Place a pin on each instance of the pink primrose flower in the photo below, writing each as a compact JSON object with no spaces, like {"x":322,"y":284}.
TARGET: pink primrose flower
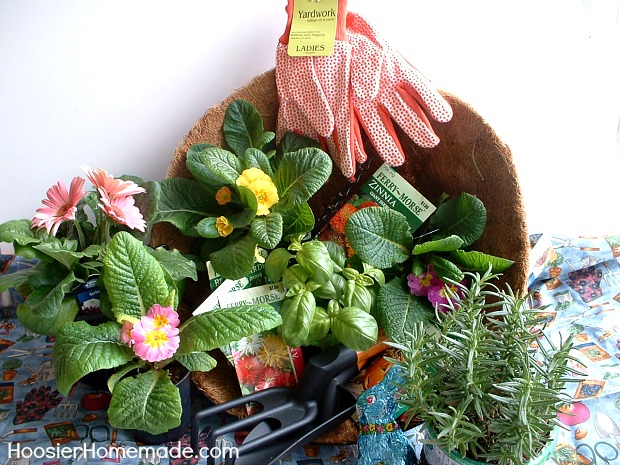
{"x":438,"y":296}
{"x":163,"y":316}
{"x":114,"y":187}
{"x":421,"y":284}
{"x":126,"y":333}
{"x":60,"y":205}
{"x":122,"y":210}
{"x":152,"y":343}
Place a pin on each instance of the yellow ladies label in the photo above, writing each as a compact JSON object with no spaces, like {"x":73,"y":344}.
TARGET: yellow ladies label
{"x":313,"y":28}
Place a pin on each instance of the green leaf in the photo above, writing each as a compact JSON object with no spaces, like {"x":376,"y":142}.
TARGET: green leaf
{"x":357,"y":296}
{"x":48,"y":323}
{"x":398,"y":311}
{"x":18,"y":231}
{"x":243,"y":127}
{"x":178,"y":266}
{"x":355,"y":328}
{"x":195,"y":164}
{"x":315,"y":259}
{"x":81,"y":349}
{"x":464,"y":216}
{"x":220,"y":327}
{"x":276,"y":263}
{"x":207,"y":228}
{"x":336,"y":253}
{"x":267,"y":230}
{"x":478,"y":261}
{"x":319,"y":327}
{"x":297,"y":220}
{"x":236,"y":260}
{"x":48,"y":294}
{"x":254,"y":158}
{"x":15,"y":280}
{"x":445,"y":269}
{"x":297,"y":318}
{"x":64,"y":252}
{"x":326,"y":291}
{"x":196,"y":361}
{"x":149,"y":402}
{"x":248,"y":200}
{"x":447,"y":244}
{"x":379,"y":236}
{"x":121,"y":372}
{"x":133,"y":278}
{"x":300,"y":175}
{"x":184,"y":202}
{"x":148,"y":201}
{"x":223,"y":164}
{"x":292,"y":142}
{"x":295,"y":276}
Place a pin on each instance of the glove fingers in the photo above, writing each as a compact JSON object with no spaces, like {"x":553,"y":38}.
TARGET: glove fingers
{"x":342,"y":145}
{"x":420,"y":88}
{"x":297,"y":82}
{"x":380,"y":129}
{"x":358,"y":145}
{"x":292,"y":119}
{"x":404,"y":109}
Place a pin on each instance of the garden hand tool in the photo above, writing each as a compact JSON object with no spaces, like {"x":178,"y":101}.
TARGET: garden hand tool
{"x":67,"y":409}
{"x":607,"y":428}
{"x":386,"y":87}
{"x":313,"y":92}
{"x":4,"y":437}
{"x":290,"y":416}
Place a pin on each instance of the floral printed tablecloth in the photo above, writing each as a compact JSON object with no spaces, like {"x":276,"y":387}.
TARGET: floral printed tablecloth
{"x":576,"y":284}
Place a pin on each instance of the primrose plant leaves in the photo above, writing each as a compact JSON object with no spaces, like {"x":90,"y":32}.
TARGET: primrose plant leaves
{"x":380,"y":236}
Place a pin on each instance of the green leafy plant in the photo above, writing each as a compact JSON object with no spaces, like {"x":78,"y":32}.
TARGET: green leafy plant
{"x":485,"y":380}
{"x":145,"y":337}
{"x":67,"y":239}
{"x":440,"y":254}
{"x":254,"y":194}
{"x":12,"y":364}
{"x":328,"y":298}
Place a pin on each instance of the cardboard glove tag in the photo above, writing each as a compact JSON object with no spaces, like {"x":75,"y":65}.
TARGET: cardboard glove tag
{"x":313,"y":28}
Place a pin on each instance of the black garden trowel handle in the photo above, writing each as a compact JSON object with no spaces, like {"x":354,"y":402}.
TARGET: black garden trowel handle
{"x":322,"y":369}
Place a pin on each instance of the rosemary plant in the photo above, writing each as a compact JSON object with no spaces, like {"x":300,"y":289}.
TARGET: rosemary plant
{"x":485,"y":381}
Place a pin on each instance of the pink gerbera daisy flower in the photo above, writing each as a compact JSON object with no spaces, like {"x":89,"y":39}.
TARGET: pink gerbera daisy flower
{"x":114,"y":187}
{"x":60,"y":205}
{"x":122,"y":210}
{"x":152,"y":343}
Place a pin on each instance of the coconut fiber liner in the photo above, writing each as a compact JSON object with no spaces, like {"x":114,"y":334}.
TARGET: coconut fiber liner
{"x":470,"y":158}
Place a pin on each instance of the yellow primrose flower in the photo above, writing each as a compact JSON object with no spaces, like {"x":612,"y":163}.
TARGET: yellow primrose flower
{"x":262,"y":187}
{"x":223,"y":195}
{"x":223,"y":226}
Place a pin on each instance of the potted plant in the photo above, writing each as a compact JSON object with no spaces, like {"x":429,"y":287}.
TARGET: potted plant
{"x":67,"y":239}
{"x":250,"y":194}
{"x":10,"y":369}
{"x":485,"y":380}
{"x":147,"y":339}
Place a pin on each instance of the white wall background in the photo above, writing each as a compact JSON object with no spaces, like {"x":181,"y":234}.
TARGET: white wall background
{"x":118,"y":84}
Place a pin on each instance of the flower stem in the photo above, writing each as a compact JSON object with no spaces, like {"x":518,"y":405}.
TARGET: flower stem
{"x":80,"y":234}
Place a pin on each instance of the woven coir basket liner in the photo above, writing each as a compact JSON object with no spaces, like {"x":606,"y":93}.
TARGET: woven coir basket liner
{"x":470,"y":158}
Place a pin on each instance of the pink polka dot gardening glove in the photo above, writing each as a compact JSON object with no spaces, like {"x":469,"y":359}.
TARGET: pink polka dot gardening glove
{"x":314,"y":94}
{"x":385,"y":88}
{"x":363,"y":85}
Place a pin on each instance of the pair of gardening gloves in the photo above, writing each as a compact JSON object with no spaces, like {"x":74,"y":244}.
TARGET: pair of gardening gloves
{"x":363,"y":85}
